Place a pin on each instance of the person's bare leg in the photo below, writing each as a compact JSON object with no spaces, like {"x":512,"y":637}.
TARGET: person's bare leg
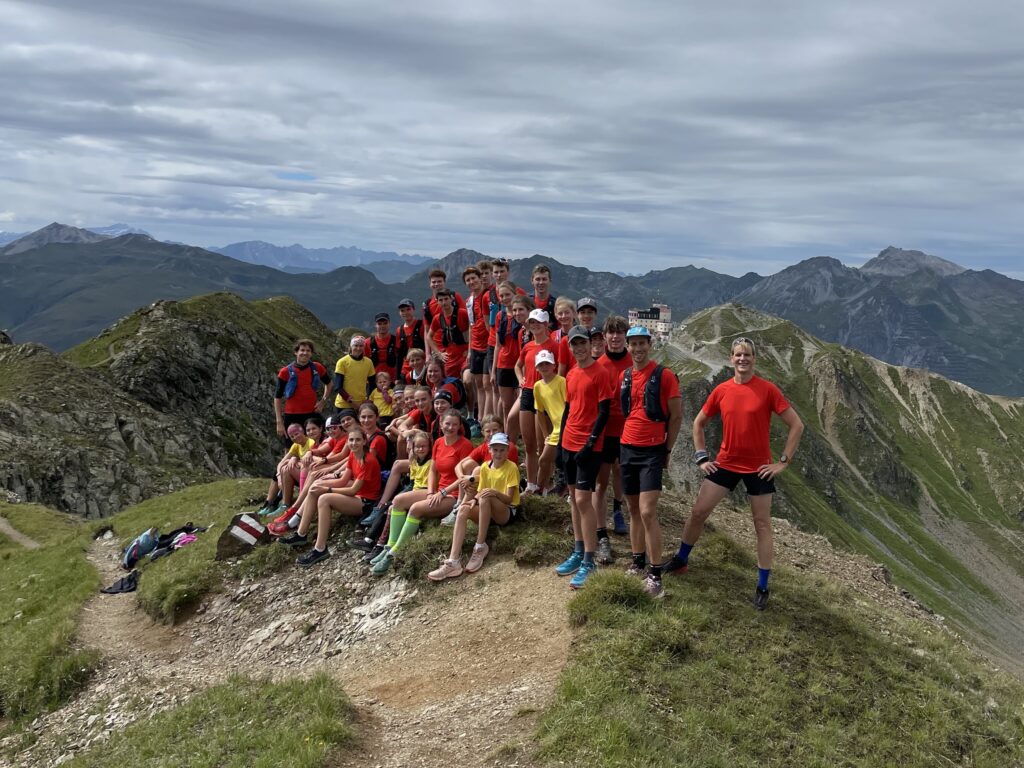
{"x":546,"y":466}
{"x":707,"y":499}
{"x":528,"y":429}
{"x":459,"y":532}
{"x":761,"y":508}
{"x":588,"y":519}
{"x":651,"y":528}
{"x":637,"y":539}
{"x":512,"y":422}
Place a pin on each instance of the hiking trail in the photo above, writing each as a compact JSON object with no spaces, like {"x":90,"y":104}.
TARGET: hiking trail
{"x":17,"y":536}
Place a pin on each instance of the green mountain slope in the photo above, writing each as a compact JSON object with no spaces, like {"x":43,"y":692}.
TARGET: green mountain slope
{"x":917,"y":471}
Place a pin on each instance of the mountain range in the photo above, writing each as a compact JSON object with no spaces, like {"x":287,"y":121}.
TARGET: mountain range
{"x":388,"y":267}
{"x":60,"y":285}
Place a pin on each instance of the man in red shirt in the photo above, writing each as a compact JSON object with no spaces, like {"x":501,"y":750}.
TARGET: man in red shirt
{"x":438,"y":282}
{"x":296,"y":397}
{"x":542,"y":296}
{"x":616,"y":359}
{"x":383,"y":346}
{"x":653,"y":412}
{"x":476,"y":378}
{"x":411,"y":333}
{"x":449,"y":333}
{"x":589,"y":392}
{"x":746,"y":403}
{"x":586,"y":313}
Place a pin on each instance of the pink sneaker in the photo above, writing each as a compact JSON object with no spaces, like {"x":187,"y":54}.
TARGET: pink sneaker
{"x":476,"y":560}
{"x":449,"y":569}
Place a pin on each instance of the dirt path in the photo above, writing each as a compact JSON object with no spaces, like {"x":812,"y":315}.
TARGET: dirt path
{"x":17,"y":536}
{"x":455,"y":679}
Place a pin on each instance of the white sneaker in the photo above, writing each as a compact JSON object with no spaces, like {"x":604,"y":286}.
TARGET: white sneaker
{"x":449,"y":519}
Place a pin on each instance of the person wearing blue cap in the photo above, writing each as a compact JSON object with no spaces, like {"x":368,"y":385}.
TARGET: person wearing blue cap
{"x":653,"y":412}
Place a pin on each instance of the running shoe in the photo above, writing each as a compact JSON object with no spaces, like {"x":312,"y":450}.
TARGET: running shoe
{"x":449,"y":569}
{"x":761,"y":599}
{"x":361,"y":543}
{"x":375,"y":514}
{"x":370,"y":556}
{"x":619,"y":523}
{"x":313,"y":557}
{"x":636,"y":570}
{"x":675,"y":565}
{"x":580,"y":578}
{"x":604,"y":552}
{"x":295,"y":540}
{"x":476,"y":560}
{"x":449,"y":519}
{"x":653,"y":587}
{"x":385,"y":552}
{"x":570,"y":565}
{"x":383,"y":564}
{"x":279,"y":529}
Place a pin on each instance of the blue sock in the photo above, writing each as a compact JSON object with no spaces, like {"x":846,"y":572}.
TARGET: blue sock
{"x":684,"y":551}
{"x":762,"y":577}
{"x":588,"y":558}
{"x":578,"y":547}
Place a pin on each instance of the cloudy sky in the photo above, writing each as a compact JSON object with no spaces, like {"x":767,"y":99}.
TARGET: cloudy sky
{"x":626,"y":136}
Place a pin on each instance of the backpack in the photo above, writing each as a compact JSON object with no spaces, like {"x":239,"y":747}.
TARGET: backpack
{"x":390,"y":452}
{"x":457,"y":390}
{"x":142,"y":545}
{"x":652,"y":394}
{"x":417,"y":338}
{"x":293,"y":380}
{"x":390,"y":354}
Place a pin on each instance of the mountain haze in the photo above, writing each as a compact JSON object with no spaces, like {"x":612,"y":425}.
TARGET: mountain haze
{"x":297,"y":258}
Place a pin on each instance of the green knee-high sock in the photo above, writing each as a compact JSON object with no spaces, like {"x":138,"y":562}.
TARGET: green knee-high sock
{"x":412,"y":525}
{"x":397,"y":523}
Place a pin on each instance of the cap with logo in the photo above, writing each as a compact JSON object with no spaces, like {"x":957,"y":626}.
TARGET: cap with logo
{"x":540,"y":315}
{"x":406,"y":303}
{"x":544,"y":356}
{"x":443,"y":395}
{"x":586,"y":302}
{"x":638,"y":331}
{"x":498,"y":438}
{"x":382,"y":316}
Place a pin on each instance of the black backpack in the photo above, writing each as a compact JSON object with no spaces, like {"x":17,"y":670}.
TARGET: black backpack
{"x":652,"y":394}
{"x":390,"y":354}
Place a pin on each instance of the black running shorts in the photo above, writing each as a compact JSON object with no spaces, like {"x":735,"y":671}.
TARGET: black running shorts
{"x":641,"y":468}
{"x":581,"y":473}
{"x":756,"y":486}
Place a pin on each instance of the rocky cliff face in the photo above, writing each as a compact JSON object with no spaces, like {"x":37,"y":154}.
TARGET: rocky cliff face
{"x":175,"y":393}
{"x":70,"y":440}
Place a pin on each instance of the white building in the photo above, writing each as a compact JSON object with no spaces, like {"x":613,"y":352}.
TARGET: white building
{"x":657,"y":319}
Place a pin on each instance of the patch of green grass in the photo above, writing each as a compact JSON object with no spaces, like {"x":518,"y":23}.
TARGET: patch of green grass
{"x":174,"y":584}
{"x":41,"y":524}
{"x":701,"y":679}
{"x":241,"y":724}
{"x":41,"y":593}
{"x":264,"y":561}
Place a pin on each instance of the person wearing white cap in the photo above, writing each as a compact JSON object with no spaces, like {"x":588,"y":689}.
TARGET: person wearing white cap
{"x":496,"y":500}
{"x":523,"y":419}
{"x":549,"y":402}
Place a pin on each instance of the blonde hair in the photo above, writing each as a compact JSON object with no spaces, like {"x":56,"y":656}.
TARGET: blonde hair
{"x":743,"y":341}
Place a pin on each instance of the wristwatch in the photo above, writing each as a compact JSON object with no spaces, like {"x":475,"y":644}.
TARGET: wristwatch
{"x":783,"y":459}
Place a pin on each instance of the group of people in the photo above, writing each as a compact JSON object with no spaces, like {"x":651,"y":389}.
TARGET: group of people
{"x":590,"y":408}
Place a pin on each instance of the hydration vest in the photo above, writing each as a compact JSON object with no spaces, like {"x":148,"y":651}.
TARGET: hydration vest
{"x":417,"y":338}
{"x":652,"y":394}
{"x":450,"y":332}
{"x":293,"y":380}
{"x":390,"y":354}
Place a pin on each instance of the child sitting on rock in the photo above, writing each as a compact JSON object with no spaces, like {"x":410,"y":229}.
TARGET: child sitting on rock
{"x":496,"y":500}
{"x":288,"y":471}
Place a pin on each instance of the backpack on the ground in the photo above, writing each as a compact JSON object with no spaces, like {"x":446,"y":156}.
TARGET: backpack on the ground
{"x":141,"y":546}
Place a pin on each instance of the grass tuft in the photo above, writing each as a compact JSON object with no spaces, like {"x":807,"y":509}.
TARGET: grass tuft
{"x":609,"y":600}
{"x":242,"y":723}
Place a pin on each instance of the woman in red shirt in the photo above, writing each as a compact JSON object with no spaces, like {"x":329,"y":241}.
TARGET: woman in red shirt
{"x":746,"y":403}
{"x":507,"y":345}
{"x":356,"y":497}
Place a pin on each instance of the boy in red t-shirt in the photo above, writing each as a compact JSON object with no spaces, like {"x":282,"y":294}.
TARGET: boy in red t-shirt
{"x":589,"y":389}
{"x":296,"y":400}
{"x":648,"y":434}
{"x":475,"y":377}
{"x":449,"y":333}
{"x":746,"y":403}
{"x":616,"y":359}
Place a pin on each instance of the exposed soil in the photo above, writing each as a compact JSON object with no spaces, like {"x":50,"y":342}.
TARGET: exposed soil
{"x":17,"y":536}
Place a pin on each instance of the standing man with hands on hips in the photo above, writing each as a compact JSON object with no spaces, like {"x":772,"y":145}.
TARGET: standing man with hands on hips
{"x":746,"y":403}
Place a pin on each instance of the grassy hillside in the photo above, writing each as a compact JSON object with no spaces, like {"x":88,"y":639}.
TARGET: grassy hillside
{"x":918,"y":472}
